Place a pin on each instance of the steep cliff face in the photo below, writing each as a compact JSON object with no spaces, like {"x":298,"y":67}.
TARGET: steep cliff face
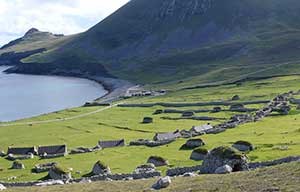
{"x":163,"y":40}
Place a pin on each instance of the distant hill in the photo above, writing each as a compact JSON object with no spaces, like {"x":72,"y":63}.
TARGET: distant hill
{"x":197,"y":41}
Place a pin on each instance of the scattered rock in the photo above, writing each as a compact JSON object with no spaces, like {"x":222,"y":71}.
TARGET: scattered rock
{"x":225,"y":169}
{"x":49,"y":183}
{"x":193,"y":143}
{"x":147,"y":120}
{"x":199,"y":154}
{"x":59,"y":173}
{"x":163,"y":182}
{"x":146,"y":168}
{"x":2,"y":154}
{"x":101,"y":169}
{"x":221,"y":156}
{"x":18,"y":165}
{"x":235,"y":98}
{"x":157,"y":161}
{"x":243,"y":146}
{"x":2,"y":187}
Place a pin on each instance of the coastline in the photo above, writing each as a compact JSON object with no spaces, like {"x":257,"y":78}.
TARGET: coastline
{"x":114,"y":87}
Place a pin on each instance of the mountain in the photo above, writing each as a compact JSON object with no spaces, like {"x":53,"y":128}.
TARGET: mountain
{"x":198,"y":41}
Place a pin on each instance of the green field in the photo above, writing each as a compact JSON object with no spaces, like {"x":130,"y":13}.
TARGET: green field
{"x":275,"y":136}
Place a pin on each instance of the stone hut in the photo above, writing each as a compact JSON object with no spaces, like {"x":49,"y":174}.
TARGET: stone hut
{"x":17,"y":165}
{"x":147,"y":120}
{"x":111,"y":144}
{"x":157,"y":161}
{"x":167,"y":136}
{"x":52,"y":151}
{"x":199,"y":154}
{"x":101,"y":169}
{"x":188,"y":114}
{"x":243,"y":146}
{"x":216,"y":110}
{"x":192,"y":144}
{"x":21,"y":150}
{"x":235,"y":98}
{"x":59,"y":173}
{"x":222,"y":156}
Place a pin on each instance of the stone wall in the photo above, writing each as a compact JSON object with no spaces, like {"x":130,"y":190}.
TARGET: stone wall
{"x":182,"y":170}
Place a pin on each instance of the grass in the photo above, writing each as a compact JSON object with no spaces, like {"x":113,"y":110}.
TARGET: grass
{"x":273,"y":137}
{"x":280,"y":178}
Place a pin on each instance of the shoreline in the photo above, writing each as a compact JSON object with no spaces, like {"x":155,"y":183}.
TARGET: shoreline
{"x":114,"y":87}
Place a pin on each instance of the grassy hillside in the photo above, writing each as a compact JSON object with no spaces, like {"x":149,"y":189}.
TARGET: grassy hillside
{"x":279,"y":178}
{"x":164,"y":40}
{"x":274,"y":137}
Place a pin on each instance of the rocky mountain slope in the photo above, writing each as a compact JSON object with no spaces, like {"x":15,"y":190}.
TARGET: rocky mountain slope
{"x":165,"y":40}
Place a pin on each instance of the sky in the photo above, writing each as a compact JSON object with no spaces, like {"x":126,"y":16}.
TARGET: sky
{"x":56,"y":16}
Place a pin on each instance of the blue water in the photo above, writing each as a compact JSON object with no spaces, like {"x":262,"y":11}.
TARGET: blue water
{"x":23,"y":96}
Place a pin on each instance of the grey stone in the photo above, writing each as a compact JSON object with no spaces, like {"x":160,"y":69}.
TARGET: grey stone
{"x":49,"y":183}
{"x":225,"y":169}
{"x":243,"y":146}
{"x":193,"y":143}
{"x":163,"y":182}
{"x":146,"y":168}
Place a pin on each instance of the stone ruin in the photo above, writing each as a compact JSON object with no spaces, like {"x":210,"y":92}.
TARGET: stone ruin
{"x":40,"y":168}
{"x":157,"y":161}
{"x":150,"y":143}
{"x":17,"y":165}
{"x":147,"y":120}
{"x":101,"y":169}
{"x":192,"y":144}
{"x":199,"y":154}
{"x":57,"y":172}
{"x":146,"y":168}
{"x":224,"y":156}
{"x":243,"y":146}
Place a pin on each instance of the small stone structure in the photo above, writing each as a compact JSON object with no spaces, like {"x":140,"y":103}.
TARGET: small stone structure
{"x":40,"y":168}
{"x":243,"y":146}
{"x":221,"y":156}
{"x":17,"y":165}
{"x":157,"y":161}
{"x":80,"y":150}
{"x":52,"y":151}
{"x":59,"y":173}
{"x":2,"y":153}
{"x":201,"y":129}
{"x":111,"y":144}
{"x":21,"y":150}
{"x":188,"y":114}
{"x":163,"y":182}
{"x":147,"y":120}
{"x":101,"y":169}
{"x":199,"y":154}
{"x":192,"y":144}
{"x":235,"y":98}
{"x":167,"y":136}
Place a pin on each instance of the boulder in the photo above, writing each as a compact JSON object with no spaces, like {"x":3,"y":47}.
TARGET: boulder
{"x":199,"y":154}
{"x":147,"y":120}
{"x":163,"y":182}
{"x":193,"y":143}
{"x":18,"y":165}
{"x":146,"y":168}
{"x":225,"y":169}
{"x":101,"y":169}
{"x":2,"y":187}
{"x":235,"y":98}
{"x":59,"y":173}
{"x":157,"y":161}
{"x":221,"y":156}
{"x":243,"y":146}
